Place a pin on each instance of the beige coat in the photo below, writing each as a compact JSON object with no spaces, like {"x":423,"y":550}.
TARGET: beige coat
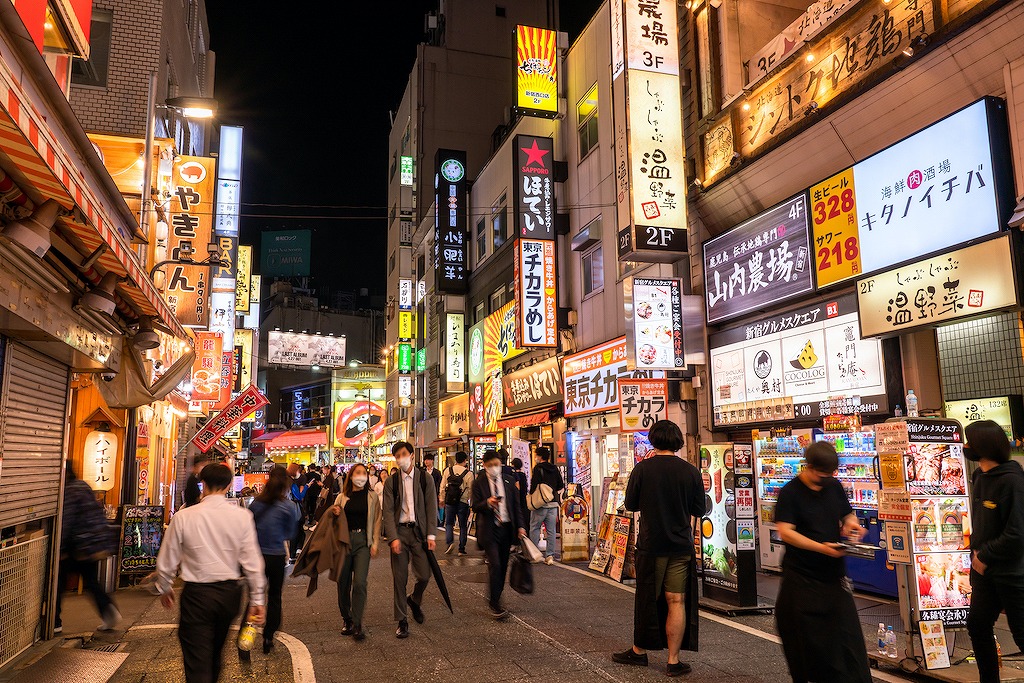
{"x":373,"y":517}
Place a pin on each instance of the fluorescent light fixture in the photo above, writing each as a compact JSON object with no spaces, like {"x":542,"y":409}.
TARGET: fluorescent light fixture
{"x":33,"y":232}
{"x":194,"y":107}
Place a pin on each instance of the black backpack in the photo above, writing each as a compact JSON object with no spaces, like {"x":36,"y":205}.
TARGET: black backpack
{"x":453,"y":490}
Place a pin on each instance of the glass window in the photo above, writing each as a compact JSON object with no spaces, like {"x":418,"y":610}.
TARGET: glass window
{"x":497,"y":298}
{"x":94,"y":70}
{"x":593,"y":270}
{"x":480,"y":313}
{"x":586,"y":117}
{"x":499,"y":227}
{"x":481,"y":239}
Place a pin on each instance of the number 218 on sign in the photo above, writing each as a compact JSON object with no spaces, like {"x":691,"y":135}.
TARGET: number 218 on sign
{"x":836,"y":235}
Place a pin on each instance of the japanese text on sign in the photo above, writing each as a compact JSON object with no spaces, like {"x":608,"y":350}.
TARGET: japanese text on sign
{"x":450,"y":220}
{"x":535,"y":292}
{"x":591,"y":378}
{"x":642,"y":402}
{"x":534,"y":192}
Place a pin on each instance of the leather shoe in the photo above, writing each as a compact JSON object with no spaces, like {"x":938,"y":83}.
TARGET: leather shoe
{"x":358,"y":634}
{"x":349,"y":629}
{"x":417,"y":612}
{"x":678,"y":669}
{"x":403,"y":629}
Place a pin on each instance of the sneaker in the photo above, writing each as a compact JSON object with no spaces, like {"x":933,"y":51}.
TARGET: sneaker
{"x":549,"y":560}
{"x":630,"y":657}
{"x":451,"y":546}
{"x":463,"y":553}
{"x":111,"y":619}
{"x":678,"y":669}
{"x":498,"y":612}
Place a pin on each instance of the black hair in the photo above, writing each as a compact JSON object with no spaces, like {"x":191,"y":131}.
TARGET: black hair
{"x":400,"y":445}
{"x":503,"y":456}
{"x":665,"y":436}
{"x":544,"y":453}
{"x":517,"y":464}
{"x":461,"y":457}
{"x":821,"y":457}
{"x":490,"y":454}
{"x":428,"y":456}
{"x":988,"y":440}
{"x":277,"y":487}
{"x":216,"y":477}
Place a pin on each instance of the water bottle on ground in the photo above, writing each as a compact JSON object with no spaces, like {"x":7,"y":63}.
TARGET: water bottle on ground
{"x":890,"y":643}
{"x":911,"y":404}
{"x":881,"y":639}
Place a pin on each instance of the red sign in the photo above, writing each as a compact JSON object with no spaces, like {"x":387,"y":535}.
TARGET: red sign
{"x":247,"y":402}
{"x":206,"y":369}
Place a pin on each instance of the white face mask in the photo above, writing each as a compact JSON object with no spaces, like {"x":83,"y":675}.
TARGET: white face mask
{"x":405,"y":464}
{"x":494,"y":470}
{"x":359,"y":481}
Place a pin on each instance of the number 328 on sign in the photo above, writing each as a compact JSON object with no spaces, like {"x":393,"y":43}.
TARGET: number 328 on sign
{"x":836,"y":235}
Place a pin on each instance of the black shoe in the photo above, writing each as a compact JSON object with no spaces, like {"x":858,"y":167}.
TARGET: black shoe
{"x":268,"y":646}
{"x":678,"y":669}
{"x":349,"y":629}
{"x":403,"y":629}
{"x":358,"y":634}
{"x":463,"y":553}
{"x":498,"y":612}
{"x":417,"y":612}
{"x":630,"y":657}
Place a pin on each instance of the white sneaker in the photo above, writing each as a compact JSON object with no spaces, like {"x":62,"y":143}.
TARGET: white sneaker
{"x":549,"y":560}
{"x":111,"y":620}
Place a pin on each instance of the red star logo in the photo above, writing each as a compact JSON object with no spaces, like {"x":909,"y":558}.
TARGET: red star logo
{"x":534,"y":155}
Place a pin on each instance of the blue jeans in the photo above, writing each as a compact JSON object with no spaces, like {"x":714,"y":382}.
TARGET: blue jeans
{"x":549,"y":518}
{"x":451,"y":512}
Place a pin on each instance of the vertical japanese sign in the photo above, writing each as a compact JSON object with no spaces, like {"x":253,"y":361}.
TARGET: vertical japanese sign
{"x":537,"y":71}
{"x":405,"y":357}
{"x":654,"y":323}
{"x":649,"y":152}
{"x":227,"y":370}
{"x":244,"y":352}
{"x":405,"y":294}
{"x":406,"y":171}
{"x":187,"y":287}
{"x":836,"y":237}
{"x":535,"y":292}
{"x":243,"y":278}
{"x":406,"y":325}
{"x":642,"y":402}
{"x":206,"y":368}
{"x":455,"y":352}
{"x":534,"y":191}
{"x":450,"y":219}
{"x":229,"y":176}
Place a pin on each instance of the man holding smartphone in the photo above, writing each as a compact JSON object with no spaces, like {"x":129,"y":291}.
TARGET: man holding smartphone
{"x":501,"y":519}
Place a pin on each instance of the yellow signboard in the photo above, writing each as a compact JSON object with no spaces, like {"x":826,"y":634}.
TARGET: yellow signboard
{"x":836,"y":236}
{"x":406,"y":325}
{"x":243,"y":279}
{"x":537,"y":71}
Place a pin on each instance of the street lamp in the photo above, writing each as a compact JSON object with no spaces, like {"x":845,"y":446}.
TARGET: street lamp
{"x":185,"y":251}
{"x":361,"y":396}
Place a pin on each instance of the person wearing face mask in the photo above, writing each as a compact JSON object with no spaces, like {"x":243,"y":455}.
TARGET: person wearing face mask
{"x":410,"y":521}
{"x":501,"y":520}
{"x":362,"y":511}
{"x":997,"y":543}
{"x":815,"y":614}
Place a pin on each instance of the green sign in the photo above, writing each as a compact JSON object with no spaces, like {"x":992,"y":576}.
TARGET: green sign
{"x":421,"y":360}
{"x":405,"y":357}
{"x":407,"y":171}
{"x":285,"y":253}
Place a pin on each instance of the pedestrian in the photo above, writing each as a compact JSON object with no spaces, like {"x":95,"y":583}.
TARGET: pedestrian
{"x":214,"y":544}
{"x":410,"y":511}
{"x":547,"y":516}
{"x":85,"y":540}
{"x":997,"y":543}
{"x":192,"y":492}
{"x":520,"y":478}
{"x":363,"y":515}
{"x":667,"y":492}
{"x":815,"y":614}
{"x":500,"y":521}
{"x":378,"y":487}
{"x":312,"y":497}
{"x":298,"y":495}
{"x":428,"y":466}
{"x":275,"y":516}
{"x":455,"y":488}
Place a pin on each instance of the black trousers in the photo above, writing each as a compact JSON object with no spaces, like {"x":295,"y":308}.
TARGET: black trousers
{"x":989,"y":596}
{"x":497,"y":561}
{"x":207,"y":611}
{"x":273,"y":567}
{"x":89,"y":571}
{"x":300,"y":537}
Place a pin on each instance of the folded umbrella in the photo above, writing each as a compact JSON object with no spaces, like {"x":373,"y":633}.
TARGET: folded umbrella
{"x":435,"y":568}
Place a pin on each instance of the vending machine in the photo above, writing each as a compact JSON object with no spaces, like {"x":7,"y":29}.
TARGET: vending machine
{"x":778,"y":460}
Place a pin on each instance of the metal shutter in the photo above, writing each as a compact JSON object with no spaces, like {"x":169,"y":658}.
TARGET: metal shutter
{"x":33,"y":412}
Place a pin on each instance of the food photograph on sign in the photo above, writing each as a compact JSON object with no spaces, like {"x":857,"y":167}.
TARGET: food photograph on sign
{"x":657,"y":323}
{"x":935,"y":469}
{"x":943,"y":581}
{"x":718,"y":526}
{"x":940,"y":524}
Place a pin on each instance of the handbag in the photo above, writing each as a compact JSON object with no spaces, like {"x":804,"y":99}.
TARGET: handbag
{"x":541,"y":496}
{"x":520,"y":577}
{"x":530,"y":551}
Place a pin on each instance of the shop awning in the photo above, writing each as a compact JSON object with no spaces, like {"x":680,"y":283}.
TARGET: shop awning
{"x":268,"y":436}
{"x":442,"y":443}
{"x":539,"y":417}
{"x":297,"y":438}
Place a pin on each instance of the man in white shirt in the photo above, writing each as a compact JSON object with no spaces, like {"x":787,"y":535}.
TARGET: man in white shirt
{"x":501,"y":521}
{"x":212,"y":543}
{"x":409,"y":504}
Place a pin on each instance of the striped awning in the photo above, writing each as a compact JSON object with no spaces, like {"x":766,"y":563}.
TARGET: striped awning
{"x":31,"y":154}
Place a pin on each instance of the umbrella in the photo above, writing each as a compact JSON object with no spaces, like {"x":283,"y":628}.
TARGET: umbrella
{"x":435,"y":568}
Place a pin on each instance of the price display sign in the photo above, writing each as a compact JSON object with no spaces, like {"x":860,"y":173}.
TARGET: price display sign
{"x":836,"y":235}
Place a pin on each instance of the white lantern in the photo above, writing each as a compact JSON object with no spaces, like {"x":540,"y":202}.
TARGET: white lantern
{"x":100,"y":460}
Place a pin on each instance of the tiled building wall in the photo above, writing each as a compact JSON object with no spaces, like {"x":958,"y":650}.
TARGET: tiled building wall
{"x":982,"y":357}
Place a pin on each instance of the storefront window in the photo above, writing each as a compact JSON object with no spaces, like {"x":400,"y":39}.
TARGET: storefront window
{"x":498,"y":221}
{"x":481,"y":240}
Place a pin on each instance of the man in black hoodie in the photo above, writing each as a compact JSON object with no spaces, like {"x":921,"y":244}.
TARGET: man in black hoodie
{"x":997,"y":543}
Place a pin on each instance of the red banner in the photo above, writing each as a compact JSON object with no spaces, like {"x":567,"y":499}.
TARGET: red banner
{"x":206,"y":369}
{"x":247,"y":402}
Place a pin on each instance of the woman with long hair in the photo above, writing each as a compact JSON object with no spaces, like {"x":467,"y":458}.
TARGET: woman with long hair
{"x":276,"y":517}
{"x":361,"y":507}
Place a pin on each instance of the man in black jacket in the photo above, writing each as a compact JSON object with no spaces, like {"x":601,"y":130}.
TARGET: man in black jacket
{"x":500,"y":520}
{"x":547,"y":515}
{"x":997,"y":543}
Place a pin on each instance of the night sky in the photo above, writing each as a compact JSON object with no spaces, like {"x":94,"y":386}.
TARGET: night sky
{"x":312,"y":82}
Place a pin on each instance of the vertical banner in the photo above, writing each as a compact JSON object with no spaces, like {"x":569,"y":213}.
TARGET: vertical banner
{"x":243,"y":278}
{"x":455,"y":352}
{"x":206,"y":368}
{"x":533,"y":187}
{"x":190,"y":209}
{"x":451,"y":261}
{"x":535,"y":292}
{"x":537,"y":71}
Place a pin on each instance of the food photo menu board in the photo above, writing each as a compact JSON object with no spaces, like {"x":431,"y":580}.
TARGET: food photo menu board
{"x":718,"y":526}
{"x":655,"y":324}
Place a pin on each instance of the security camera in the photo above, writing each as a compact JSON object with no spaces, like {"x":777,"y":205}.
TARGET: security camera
{"x":108,"y":376}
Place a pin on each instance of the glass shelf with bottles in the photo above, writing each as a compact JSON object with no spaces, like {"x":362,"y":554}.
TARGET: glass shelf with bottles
{"x":778,"y":461}
{"x":856,"y":450}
